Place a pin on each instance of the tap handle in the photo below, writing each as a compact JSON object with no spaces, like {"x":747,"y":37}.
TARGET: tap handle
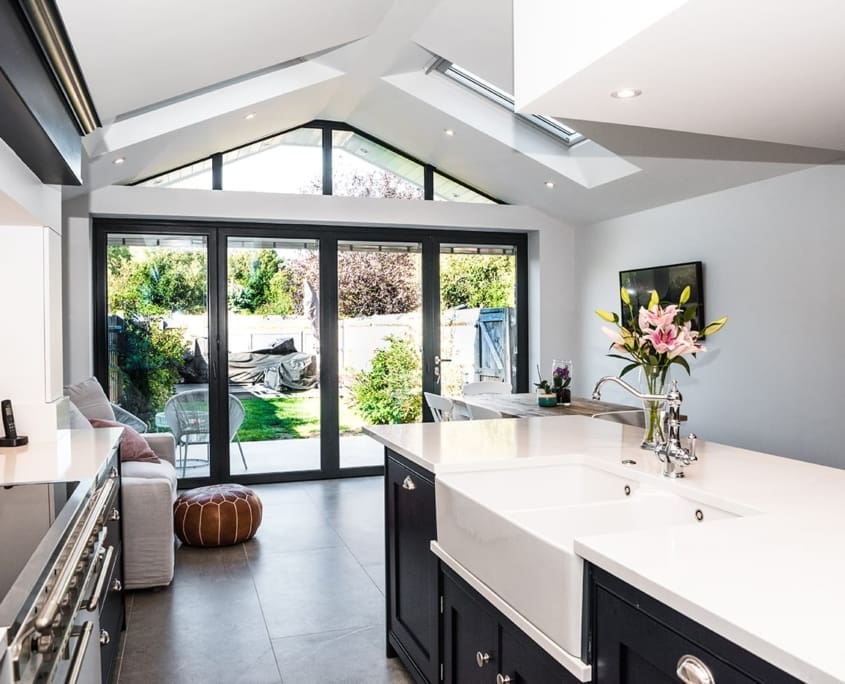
{"x":691,"y":449}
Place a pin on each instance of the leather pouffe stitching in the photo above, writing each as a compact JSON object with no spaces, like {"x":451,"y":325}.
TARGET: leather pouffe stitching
{"x":217,"y":513}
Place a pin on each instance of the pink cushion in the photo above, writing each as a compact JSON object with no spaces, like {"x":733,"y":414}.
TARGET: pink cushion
{"x":133,"y":447}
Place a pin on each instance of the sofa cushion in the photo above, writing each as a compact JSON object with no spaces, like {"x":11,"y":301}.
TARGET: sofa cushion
{"x":151,"y":471}
{"x":133,"y":447}
{"x":89,"y":398}
{"x":77,"y":420}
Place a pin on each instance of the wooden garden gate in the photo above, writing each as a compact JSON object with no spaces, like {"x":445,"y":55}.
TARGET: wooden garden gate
{"x":494,"y":345}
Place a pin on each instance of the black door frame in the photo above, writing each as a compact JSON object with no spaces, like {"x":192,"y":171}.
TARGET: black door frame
{"x":217,"y":234}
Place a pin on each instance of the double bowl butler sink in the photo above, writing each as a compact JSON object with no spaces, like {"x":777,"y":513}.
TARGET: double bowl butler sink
{"x":515,"y":529}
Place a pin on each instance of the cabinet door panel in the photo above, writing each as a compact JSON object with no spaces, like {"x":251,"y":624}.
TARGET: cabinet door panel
{"x":633,"y":648}
{"x":526,"y":663}
{"x":413,"y":602}
{"x":468,"y":630}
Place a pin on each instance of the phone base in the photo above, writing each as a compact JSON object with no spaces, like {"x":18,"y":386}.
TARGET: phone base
{"x":14,"y":441}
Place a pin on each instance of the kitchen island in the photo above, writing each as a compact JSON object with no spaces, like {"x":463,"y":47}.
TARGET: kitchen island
{"x":766,"y":579}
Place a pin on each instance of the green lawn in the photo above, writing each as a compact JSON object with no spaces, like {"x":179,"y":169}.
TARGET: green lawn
{"x":290,"y":417}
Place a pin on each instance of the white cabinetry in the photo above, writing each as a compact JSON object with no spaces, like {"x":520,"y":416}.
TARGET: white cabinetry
{"x":31,"y":323}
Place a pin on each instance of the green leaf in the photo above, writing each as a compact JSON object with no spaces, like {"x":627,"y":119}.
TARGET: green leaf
{"x":681,"y":361}
{"x":618,"y":356}
{"x":629,"y":368}
{"x":689,"y":313}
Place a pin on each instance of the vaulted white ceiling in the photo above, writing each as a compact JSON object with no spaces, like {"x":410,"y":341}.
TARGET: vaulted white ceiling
{"x":173,"y":82}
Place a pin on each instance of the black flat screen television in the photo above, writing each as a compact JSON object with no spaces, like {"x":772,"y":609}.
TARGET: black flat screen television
{"x":669,"y":281}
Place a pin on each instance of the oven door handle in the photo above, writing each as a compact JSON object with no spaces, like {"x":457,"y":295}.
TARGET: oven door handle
{"x":97,"y":594}
{"x":79,"y":653}
{"x":60,"y":588}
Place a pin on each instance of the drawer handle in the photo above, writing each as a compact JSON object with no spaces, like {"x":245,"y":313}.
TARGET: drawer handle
{"x":692,"y":671}
{"x":84,"y":637}
{"x":408,"y":484}
{"x":503,"y":679}
{"x":105,"y":568}
{"x":482,"y":658}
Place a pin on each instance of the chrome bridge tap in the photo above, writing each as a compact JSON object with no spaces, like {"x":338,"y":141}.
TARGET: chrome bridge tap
{"x":671,"y":453}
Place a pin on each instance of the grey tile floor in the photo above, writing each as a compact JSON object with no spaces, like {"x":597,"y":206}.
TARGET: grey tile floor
{"x":302,"y":603}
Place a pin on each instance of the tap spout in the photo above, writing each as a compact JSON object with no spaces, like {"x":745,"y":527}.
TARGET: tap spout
{"x":625,"y":386}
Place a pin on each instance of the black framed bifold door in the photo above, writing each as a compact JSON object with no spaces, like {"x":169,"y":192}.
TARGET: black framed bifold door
{"x":266,"y":350}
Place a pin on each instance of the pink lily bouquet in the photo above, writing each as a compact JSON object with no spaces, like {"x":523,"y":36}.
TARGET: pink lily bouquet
{"x":654,"y":339}
{"x":657,"y":336}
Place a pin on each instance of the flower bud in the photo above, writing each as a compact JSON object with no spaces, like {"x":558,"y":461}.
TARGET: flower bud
{"x":626,"y":298}
{"x":685,"y":295}
{"x":607,"y":315}
{"x":715,"y":326}
{"x":654,"y":301}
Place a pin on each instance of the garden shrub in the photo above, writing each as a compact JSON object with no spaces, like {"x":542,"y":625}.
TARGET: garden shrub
{"x":390,"y":391}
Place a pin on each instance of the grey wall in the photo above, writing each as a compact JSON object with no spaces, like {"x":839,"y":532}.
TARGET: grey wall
{"x":773,"y":262}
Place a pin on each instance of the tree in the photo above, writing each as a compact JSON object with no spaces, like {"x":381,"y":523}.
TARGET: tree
{"x":368,"y":283}
{"x":258,"y":283}
{"x":477,"y":280}
{"x":390,"y":391}
{"x":160,"y":281}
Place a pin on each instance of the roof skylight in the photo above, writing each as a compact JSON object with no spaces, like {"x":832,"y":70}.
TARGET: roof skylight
{"x":568,"y":136}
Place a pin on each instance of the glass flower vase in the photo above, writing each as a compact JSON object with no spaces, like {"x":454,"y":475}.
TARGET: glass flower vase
{"x":653,"y":380}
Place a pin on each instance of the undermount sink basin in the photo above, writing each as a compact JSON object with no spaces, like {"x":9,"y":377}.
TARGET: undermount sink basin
{"x":634,"y":417}
{"x":515,"y":529}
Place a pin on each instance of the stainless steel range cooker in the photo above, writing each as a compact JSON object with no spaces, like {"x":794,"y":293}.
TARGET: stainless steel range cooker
{"x":59,"y":565}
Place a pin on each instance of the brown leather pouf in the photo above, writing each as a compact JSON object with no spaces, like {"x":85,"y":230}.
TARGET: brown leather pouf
{"x":217,"y":515}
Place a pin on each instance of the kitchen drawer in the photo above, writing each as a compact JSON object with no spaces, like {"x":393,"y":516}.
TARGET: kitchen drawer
{"x":638,"y":640}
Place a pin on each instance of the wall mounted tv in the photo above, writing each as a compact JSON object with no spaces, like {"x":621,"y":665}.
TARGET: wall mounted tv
{"x":669,"y":281}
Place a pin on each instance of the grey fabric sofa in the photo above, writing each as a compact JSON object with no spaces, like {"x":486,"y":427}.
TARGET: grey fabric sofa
{"x":149,"y":490}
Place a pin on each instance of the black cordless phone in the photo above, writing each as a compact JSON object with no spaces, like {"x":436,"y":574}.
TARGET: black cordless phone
{"x":11,"y":438}
{"x":8,"y":418}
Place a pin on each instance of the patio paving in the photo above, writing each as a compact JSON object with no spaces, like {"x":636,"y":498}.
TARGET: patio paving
{"x":286,"y":455}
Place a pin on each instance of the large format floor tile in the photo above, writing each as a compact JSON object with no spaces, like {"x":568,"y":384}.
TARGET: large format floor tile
{"x":343,"y":657}
{"x":303,"y":602}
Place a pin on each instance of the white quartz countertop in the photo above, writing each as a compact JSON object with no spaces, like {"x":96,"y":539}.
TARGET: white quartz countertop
{"x":73,"y":455}
{"x":771,"y":581}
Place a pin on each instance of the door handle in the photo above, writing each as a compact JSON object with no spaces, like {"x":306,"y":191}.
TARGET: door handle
{"x":437,"y":362}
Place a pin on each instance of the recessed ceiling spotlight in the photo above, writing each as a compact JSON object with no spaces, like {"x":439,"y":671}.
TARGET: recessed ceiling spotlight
{"x":549,"y":184}
{"x":626,"y":93}
{"x":363,"y":150}
{"x":119,"y":160}
{"x":449,"y":132}
{"x":250,"y":116}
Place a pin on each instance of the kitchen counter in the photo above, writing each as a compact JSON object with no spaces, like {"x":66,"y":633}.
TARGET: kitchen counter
{"x":73,"y":455}
{"x":769,"y":581}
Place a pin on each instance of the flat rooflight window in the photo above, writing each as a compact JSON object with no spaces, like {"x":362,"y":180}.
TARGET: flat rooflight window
{"x":568,"y":136}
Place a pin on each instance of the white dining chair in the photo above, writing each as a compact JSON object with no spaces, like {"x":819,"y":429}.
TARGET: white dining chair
{"x":441,"y":407}
{"x":486,"y":387}
{"x":482,"y":413}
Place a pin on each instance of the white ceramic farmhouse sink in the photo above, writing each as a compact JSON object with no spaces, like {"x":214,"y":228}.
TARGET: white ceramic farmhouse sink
{"x":514,"y":530}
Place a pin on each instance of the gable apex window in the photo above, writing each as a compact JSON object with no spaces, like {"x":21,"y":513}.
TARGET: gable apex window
{"x":458,"y":74}
{"x":321,"y":157}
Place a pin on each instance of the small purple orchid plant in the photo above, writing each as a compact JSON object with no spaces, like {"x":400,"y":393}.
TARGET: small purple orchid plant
{"x":562,"y":374}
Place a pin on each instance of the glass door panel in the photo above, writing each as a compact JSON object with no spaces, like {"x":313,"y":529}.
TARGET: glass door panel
{"x":477,"y":316}
{"x":273,"y":355}
{"x":157,"y":340}
{"x":379,"y":343}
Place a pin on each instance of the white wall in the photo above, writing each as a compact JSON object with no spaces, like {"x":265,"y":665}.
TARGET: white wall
{"x":550,"y":247}
{"x":773,"y":262}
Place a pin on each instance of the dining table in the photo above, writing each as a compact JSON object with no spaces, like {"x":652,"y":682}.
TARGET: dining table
{"x":524,"y":405}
